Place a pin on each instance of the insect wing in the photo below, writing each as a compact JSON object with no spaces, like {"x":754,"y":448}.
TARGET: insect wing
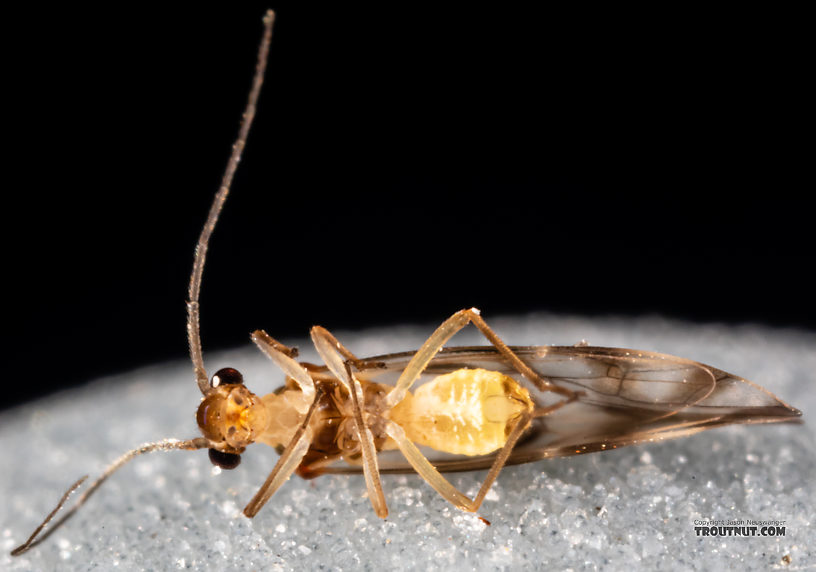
{"x":627,"y":397}
{"x":616,"y":377}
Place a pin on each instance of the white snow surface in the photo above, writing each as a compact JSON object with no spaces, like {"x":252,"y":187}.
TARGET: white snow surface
{"x":629,"y":508}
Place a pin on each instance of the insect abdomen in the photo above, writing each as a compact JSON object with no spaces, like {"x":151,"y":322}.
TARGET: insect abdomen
{"x":465,"y":412}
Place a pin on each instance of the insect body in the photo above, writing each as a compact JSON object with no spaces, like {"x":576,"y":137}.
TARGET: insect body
{"x":469,"y":408}
{"x":473,"y":408}
{"x":465,"y":412}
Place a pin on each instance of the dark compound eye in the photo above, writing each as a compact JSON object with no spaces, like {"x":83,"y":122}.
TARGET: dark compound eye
{"x":225,"y":376}
{"x":226,"y":461}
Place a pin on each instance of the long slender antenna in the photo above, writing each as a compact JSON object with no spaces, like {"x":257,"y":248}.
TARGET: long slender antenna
{"x":166,"y":445}
{"x":193,"y":310}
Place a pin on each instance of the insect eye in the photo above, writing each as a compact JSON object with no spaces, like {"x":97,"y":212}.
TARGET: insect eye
{"x":225,"y":461}
{"x":225,"y":376}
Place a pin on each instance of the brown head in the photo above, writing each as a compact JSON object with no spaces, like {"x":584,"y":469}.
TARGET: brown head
{"x":230,"y":417}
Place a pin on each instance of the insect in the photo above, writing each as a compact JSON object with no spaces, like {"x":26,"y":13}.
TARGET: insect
{"x":437,"y":409}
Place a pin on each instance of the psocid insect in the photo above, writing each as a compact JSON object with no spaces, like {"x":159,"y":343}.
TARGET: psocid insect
{"x":467,"y":407}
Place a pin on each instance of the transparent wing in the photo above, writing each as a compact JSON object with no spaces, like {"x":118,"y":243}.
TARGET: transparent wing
{"x":628,"y":397}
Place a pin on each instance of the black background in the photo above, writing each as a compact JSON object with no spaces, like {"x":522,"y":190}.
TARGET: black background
{"x":406,"y":162}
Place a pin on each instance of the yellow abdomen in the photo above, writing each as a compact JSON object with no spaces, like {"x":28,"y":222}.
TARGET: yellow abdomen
{"x":465,"y":412}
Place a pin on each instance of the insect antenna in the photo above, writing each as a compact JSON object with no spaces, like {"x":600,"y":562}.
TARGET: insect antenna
{"x":193,"y":314}
{"x":193,"y":311}
{"x":31,"y":542}
{"x":165,"y":445}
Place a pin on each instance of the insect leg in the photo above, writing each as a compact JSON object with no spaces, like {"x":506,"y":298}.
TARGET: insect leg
{"x":517,"y":363}
{"x":434,"y":478}
{"x":286,"y":465}
{"x":339,"y":361}
{"x":425,"y":354}
{"x":444,"y":333}
{"x":329,"y":338}
{"x":334,"y":354}
{"x":282,"y":356}
{"x":424,"y":468}
{"x":371,"y":469}
{"x":501,"y":457}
